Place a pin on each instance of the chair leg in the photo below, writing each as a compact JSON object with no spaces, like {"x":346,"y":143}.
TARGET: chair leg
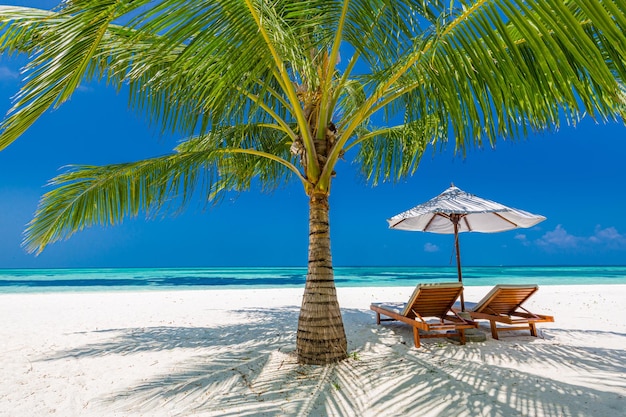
{"x":533,"y":329}
{"x":494,"y":329}
{"x":416,"y":337}
{"x":377,"y":318}
{"x":462,"y":336}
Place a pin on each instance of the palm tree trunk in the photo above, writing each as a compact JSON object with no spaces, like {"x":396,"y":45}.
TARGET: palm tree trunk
{"x":321,"y":338}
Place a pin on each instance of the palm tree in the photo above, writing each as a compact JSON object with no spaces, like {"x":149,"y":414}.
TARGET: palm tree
{"x":276,"y":91}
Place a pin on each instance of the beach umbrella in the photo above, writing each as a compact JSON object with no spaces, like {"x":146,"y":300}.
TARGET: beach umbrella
{"x":455,"y":211}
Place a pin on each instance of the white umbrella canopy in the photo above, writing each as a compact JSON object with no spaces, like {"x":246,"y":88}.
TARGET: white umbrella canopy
{"x":455,"y":211}
{"x":475,"y":215}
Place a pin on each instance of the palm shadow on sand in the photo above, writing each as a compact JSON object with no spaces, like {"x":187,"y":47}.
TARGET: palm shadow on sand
{"x":249,"y":369}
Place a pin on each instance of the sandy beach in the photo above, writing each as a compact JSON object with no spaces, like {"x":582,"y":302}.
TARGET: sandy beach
{"x":230,"y":353}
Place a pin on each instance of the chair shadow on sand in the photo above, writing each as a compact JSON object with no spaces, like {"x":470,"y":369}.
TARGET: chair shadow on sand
{"x":250,"y":369}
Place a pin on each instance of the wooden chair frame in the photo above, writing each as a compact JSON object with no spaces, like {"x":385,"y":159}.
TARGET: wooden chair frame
{"x":436,"y":301}
{"x":503,"y":304}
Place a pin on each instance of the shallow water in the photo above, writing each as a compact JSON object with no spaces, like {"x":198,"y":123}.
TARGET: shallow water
{"x":115,"y":279}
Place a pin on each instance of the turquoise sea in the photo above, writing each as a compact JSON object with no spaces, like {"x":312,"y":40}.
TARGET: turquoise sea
{"x":116,"y":279}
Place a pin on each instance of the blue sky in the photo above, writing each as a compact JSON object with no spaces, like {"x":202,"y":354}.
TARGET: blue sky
{"x":573,"y":177}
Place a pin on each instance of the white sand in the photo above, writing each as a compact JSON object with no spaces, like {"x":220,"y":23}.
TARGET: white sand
{"x":230,"y":353}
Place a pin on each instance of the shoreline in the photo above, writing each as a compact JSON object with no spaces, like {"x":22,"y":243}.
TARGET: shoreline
{"x":246,"y":288}
{"x":230,"y":352}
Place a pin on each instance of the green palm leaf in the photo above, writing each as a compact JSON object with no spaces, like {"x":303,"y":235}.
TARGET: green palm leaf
{"x":86,"y":196}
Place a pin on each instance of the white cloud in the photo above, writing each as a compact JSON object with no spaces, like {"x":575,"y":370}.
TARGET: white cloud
{"x":84,"y":89}
{"x":7,"y":73}
{"x":522,"y":238}
{"x":430,"y":247}
{"x":609,"y":237}
{"x":559,"y":238}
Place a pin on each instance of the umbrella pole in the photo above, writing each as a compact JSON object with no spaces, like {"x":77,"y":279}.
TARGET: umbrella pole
{"x":455,"y":221}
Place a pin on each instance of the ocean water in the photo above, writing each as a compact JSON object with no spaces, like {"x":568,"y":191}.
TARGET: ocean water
{"x":120,"y":279}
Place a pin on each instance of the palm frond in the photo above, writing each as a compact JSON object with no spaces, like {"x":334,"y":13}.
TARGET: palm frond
{"x":390,"y":154}
{"x":86,"y":196}
{"x":90,"y":195}
{"x":262,"y":150}
{"x":62,"y":47}
{"x":502,"y":68}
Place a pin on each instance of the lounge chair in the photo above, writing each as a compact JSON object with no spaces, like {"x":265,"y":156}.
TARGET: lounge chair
{"x":428,"y":301}
{"x":503,"y":304}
